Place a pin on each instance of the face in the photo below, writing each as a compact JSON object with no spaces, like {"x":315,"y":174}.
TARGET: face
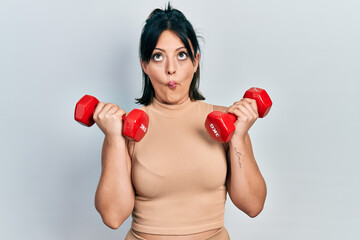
{"x":170,"y":69}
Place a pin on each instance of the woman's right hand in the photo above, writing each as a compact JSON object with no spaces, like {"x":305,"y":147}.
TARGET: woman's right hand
{"x":108,"y":117}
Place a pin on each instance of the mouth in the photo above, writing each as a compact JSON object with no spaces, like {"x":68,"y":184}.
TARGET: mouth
{"x":172,"y":84}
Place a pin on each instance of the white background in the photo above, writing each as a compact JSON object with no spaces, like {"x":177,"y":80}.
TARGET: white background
{"x":306,"y":54}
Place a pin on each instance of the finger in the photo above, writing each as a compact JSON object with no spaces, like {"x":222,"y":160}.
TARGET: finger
{"x":105,"y":110}
{"x":251,"y":106}
{"x":113,"y":108}
{"x":120,"y":112}
{"x":98,"y":109}
{"x":252,"y":102}
{"x":232,"y":107}
{"x":240,"y":114}
{"x":242,"y":102}
{"x":247,"y":113}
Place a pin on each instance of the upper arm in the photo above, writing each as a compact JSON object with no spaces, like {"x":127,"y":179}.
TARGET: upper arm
{"x":130,"y":149}
{"x":219,"y":108}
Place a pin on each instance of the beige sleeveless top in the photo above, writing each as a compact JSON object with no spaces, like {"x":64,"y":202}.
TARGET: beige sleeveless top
{"x":178,"y":172}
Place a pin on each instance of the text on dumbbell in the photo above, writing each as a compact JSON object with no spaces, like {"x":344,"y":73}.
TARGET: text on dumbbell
{"x":143,"y":127}
{"x":214,"y":130}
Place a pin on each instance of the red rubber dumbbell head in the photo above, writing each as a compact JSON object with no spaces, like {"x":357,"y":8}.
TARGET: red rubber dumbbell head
{"x":135,"y":125}
{"x":263,"y":100}
{"x":220,"y":126}
{"x":84,"y":110}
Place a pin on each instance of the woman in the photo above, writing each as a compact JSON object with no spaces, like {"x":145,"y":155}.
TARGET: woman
{"x":175,"y":180}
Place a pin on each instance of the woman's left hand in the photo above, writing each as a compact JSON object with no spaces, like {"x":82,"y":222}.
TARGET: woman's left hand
{"x":246,"y":113}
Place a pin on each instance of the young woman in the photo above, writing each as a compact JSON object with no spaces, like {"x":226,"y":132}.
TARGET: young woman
{"x":175,"y":180}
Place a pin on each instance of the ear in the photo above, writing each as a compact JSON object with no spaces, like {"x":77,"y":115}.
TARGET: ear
{"x":196,"y":62}
{"x":144,"y":66}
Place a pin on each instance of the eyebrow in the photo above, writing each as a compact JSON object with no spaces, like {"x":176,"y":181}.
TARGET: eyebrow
{"x":162,"y":50}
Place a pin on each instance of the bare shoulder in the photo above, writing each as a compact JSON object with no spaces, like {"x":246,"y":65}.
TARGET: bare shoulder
{"x":143,"y":107}
{"x":220,"y":108}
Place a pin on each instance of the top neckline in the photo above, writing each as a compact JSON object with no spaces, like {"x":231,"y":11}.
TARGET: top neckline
{"x":171,"y":110}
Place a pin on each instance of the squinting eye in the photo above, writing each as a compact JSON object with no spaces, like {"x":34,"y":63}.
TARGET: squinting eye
{"x":182,"y":55}
{"x":157,"y":57}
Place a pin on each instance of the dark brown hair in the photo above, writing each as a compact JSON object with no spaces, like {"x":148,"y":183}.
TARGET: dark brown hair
{"x":158,"y":21}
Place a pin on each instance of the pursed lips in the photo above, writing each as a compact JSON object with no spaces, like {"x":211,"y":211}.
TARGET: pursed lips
{"x":172,"y":84}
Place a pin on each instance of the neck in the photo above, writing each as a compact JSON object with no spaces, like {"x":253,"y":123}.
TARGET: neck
{"x":172,"y":110}
{"x":180,"y":102}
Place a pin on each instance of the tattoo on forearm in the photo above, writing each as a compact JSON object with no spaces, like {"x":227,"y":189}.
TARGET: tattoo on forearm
{"x":239,"y":155}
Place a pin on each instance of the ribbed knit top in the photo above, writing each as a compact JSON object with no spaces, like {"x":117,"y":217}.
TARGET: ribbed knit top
{"x":178,"y":172}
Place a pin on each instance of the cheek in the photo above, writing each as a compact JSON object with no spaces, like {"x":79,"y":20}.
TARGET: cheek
{"x":155,"y":73}
{"x":190,"y":72}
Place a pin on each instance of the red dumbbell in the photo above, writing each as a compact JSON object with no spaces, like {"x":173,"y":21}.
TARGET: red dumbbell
{"x":135,"y":123}
{"x":220,"y":125}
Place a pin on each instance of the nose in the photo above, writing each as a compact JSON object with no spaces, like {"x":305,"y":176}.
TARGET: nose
{"x":170,"y":67}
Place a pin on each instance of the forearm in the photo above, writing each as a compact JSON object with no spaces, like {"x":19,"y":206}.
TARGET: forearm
{"x":114,"y":197}
{"x":246,"y":185}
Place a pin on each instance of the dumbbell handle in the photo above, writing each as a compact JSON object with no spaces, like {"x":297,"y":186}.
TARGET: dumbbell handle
{"x":80,"y":112}
{"x":220,"y":125}
{"x":262,"y":110}
{"x":135,"y":123}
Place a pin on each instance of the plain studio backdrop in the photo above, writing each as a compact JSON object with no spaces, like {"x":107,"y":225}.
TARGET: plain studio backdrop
{"x":306,"y":54}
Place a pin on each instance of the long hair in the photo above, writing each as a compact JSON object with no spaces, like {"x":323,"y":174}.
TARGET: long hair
{"x":173,"y":20}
